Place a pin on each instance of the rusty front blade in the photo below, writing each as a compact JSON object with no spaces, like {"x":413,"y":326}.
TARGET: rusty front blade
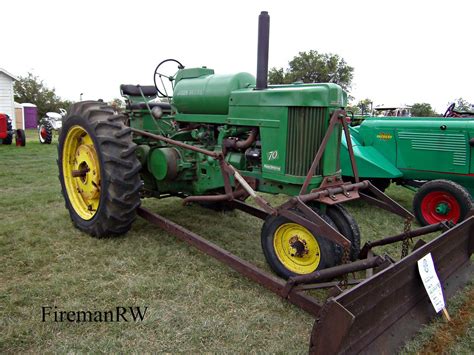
{"x":381,"y":313}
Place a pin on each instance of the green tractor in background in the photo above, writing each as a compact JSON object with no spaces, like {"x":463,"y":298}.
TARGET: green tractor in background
{"x":432,"y":155}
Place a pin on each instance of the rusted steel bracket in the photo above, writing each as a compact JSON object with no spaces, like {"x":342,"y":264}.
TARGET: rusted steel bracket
{"x":314,"y":222}
{"x":341,"y":189}
{"x":337,"y":117}
{"x":334,"y":190}
{"x":333,"y":121}
{"x":383,"y":201}
{"x":347,"y":134}
{"x":265,"y":205}
{"x":244,"y":207}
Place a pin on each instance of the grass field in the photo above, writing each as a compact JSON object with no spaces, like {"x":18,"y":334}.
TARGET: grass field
{"x":194,"y":302}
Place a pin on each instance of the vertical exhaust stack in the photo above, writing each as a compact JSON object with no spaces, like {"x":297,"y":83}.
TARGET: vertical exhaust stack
{"x":262,"y":51}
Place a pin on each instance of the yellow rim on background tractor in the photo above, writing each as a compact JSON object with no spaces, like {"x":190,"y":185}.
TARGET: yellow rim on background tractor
{"x":81,"y":172}
{"x":296,"y":248}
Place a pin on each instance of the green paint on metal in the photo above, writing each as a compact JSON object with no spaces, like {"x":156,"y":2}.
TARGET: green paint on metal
{"x":413,"y":148}
{"x":164,"y":163}
{"x":291,"y":121}
{"x":208,"y":94}
{"x":371,"y":163}
{"x":442,"y":208}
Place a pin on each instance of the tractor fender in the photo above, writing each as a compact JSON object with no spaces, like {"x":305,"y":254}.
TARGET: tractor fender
{"x":370,"y":162}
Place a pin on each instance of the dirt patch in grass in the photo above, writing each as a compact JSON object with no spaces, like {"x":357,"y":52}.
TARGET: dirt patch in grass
{"x":448,"y":333}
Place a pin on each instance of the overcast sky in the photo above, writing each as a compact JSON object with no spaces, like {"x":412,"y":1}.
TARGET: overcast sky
{"x":402,"y":51}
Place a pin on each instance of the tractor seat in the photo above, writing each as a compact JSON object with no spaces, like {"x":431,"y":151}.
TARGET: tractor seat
{"x":142,"y":106}
{"x":133,"y":90}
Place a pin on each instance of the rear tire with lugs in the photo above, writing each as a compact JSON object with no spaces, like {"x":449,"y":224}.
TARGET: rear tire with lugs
{"x":98,"y":170}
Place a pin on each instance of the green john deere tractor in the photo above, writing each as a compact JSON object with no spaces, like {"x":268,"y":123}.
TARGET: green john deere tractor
{"x":221,"y":139}
{"x":432,"y":155}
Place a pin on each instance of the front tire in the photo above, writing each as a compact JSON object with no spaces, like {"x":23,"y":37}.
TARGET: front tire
{"x":98,"y":170}
{"x":441,"y":200}
{"x":291,"y":249}
{"x":45,"y":133}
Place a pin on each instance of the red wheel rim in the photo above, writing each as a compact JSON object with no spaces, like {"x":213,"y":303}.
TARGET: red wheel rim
{"x":44,"y":133}
{"x":435,"y":201}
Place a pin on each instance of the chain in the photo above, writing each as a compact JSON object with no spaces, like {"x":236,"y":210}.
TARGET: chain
{"x":345,"y":260}
{"x":406,"y":242}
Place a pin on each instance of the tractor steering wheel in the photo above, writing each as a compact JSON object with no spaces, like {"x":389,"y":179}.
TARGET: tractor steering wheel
{"x":450,"y":111}
{"x":168,"y":82}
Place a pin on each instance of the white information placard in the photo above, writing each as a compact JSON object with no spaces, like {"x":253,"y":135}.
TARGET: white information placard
{"x":431,"y":282}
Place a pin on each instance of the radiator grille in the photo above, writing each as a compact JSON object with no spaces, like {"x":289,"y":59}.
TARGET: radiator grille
{"x":306,"y":129}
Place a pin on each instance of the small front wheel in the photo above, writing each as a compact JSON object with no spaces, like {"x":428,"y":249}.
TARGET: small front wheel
{"x":291,"y":249}
{"x":441,"y":200}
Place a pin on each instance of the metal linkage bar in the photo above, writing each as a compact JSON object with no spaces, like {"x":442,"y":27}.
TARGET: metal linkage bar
{"x":402,"y":236}
{"x":332,"y":272}
{"x":176,"y":143}
{"x":383,"y":201}
{"x":347,"y":134}
{"x":267,"y":280}
{"x":244,"y":207}
{"x":215,"y":198}
{"x":328,"y":284}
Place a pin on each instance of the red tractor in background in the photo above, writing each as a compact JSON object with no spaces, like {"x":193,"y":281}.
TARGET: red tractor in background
{"x":7,"y":133}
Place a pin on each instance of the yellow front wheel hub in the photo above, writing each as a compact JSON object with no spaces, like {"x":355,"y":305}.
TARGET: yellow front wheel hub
{"x":81,"y":171}
{"x":296,"y":248}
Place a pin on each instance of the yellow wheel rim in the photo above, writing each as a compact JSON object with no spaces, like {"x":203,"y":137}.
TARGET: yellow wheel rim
{"x":81,"y":171}
{"x":296,"y":248}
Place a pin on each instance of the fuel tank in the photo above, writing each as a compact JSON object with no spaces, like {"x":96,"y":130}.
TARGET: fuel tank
{"x":200,"y":91}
